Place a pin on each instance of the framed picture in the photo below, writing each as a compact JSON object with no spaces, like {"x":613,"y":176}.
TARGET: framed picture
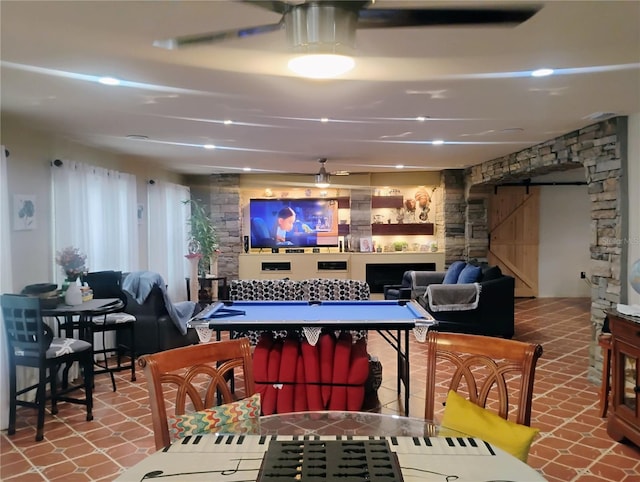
{"x":366,"y":245}
{"x":24,"y":212}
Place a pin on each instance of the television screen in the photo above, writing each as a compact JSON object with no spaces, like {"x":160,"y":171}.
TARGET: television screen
{"x":303,"y":223}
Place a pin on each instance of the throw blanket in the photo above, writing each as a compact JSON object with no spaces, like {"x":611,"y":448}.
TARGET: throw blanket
{"x":453,"y":297}
{"x":139,"y":285}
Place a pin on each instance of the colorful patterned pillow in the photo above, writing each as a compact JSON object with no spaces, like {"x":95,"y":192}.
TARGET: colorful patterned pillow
{"x":209,"y":420}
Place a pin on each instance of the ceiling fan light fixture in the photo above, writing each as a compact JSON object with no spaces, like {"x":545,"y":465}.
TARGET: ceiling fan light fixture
{"x":321,"y":66}
{"x":322,"y":178}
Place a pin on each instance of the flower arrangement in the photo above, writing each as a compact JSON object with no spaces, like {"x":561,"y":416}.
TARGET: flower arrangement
{"x":72,"y":262}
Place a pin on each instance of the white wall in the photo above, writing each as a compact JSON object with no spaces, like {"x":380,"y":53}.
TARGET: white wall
{"x":28,"y":172}
{"x":565,"y":232}
{"x":634,"y":200}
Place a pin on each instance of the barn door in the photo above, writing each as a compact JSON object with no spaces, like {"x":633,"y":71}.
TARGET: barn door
{"x":514,"y":215}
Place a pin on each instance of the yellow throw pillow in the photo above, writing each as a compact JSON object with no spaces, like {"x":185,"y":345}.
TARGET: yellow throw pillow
{"x":465,"y":416}
{"x":208,"y":420}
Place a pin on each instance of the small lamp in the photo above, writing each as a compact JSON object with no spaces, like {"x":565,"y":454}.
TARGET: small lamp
{"x":322,"y":178}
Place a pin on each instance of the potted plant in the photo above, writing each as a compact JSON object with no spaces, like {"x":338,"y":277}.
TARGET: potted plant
{"x":400,"y":246}
{"x":203,"y":235}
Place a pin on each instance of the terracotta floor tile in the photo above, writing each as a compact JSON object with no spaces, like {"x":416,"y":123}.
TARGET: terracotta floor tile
{"x":565,"y":408}
{"x":59,"y":470}
{"x":29,"y":477}
{"x":14,"y":468}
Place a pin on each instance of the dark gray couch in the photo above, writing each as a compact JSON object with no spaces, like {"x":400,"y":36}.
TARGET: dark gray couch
{"x":494,"y":315}
{"x":155,"y":331}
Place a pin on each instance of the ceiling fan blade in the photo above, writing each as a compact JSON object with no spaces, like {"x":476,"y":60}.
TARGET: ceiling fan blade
{"x":271,"y":5}
{"x":385,"y":18}
{"x":216,"y":37}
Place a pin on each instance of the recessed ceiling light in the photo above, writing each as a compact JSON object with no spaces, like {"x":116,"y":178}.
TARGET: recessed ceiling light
{"x":228,"y":122}
{"x":109,"y":81}
{"x":209,"y":146}
{"x":511,"y":130}
{"x":541,"y":72}
{"x":321,"y":66}
{"x":421,"y":118}
{"x":246,"y":169}
{"x":437,"y":142}
{"x":399,"y":166}
{"x":324,"y":119}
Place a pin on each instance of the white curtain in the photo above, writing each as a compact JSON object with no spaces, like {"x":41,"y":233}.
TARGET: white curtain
{"x":5,"y":285}
{"x":168,"y":235}
{"x":95,"y":210}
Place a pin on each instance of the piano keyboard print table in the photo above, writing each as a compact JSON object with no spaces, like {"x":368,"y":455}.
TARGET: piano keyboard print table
{"x":238,"y":458}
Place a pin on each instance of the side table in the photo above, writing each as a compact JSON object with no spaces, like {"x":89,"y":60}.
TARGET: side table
{"x":207,"y":293}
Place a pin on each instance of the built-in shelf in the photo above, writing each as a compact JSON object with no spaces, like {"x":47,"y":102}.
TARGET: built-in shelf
{"x":344,"y":202}
{"x":399,"y":229}
{"x":387,"y":202}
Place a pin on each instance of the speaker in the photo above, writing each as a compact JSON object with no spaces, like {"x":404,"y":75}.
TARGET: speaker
{"x":245,"y":243}
{"x":341,"y":246}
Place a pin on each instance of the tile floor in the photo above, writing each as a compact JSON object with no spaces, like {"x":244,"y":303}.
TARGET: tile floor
{"x":573,"y":444}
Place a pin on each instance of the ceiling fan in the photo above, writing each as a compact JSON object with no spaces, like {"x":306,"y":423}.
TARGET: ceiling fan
{"x":315,"y":25}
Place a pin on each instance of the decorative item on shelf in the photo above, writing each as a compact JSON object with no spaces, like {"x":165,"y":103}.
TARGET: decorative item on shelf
{"x":400,"y":246}
{"x":423,"y":199}
{"x":434,"y":247}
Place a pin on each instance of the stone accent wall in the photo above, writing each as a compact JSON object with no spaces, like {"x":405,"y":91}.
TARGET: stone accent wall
{"x":453,"y":214}
{"x":225,"y":213}
{"x":477,"y":225}
{"x":601,"y":150}
{"x":360,"y":217}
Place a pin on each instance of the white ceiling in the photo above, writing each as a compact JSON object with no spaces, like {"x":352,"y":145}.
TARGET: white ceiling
{"x":462,"y":79}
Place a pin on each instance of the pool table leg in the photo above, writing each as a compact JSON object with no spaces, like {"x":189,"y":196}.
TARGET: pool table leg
{"x":407,"y":375}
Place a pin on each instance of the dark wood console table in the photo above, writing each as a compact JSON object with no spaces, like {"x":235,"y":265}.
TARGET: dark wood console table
{"x":624,"y":415}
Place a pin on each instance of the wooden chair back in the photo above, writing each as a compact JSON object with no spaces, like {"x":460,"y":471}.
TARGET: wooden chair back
{"x":190,"y":378}
{"x":494,"y":373}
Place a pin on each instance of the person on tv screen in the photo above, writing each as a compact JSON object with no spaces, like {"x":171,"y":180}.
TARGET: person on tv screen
{"x":284,"y":224}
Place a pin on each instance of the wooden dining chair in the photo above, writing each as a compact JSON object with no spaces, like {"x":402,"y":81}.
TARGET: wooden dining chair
{"x":31,"y":343}
{"x":493,"y":373}
{"x":190,"y":378}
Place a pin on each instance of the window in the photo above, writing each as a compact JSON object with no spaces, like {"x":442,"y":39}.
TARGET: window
{"x":95,"y":210}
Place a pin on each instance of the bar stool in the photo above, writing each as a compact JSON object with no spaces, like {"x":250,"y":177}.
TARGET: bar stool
{"x":31,"y":343}
{"x":114,"y":322}
{"x":108,"y":284}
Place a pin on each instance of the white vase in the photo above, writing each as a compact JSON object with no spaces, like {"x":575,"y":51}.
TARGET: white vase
{"x":73,"y":295}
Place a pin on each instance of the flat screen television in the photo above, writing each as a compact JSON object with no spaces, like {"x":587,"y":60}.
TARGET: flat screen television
{"x":301,"y":223}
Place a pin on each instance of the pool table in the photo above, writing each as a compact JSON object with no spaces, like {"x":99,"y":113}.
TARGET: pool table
{"x":388,"y":317}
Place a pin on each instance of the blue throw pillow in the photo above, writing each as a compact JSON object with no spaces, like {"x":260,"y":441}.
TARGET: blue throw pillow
{"x":470,"y":274}
{"x":451,"y":276}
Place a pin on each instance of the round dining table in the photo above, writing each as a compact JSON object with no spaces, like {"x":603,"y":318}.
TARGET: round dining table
{"x":332,"y":446}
